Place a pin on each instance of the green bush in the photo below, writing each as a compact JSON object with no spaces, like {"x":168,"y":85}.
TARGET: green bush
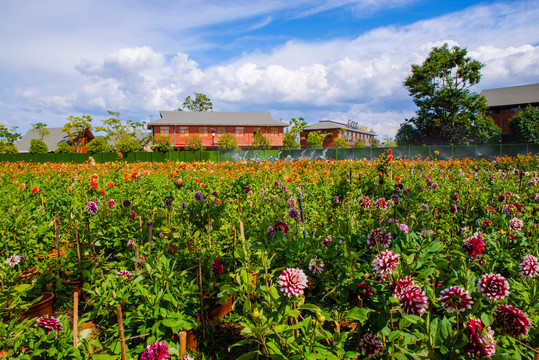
{"x":38,"y":147}
{"x":340,"y":143}
{"x":194,"y":143}
{"x":227,"y":141}
{"x":64,"y":148}
{"x":98,"y":145}
{"x":6,"y":148}
{"x":315,"y":140}
{"x":359,"y":143}
{"x":162,"y":143}
{"x":125,"y":146}
{"x":524,"y":126}
{"x":260,"y":142}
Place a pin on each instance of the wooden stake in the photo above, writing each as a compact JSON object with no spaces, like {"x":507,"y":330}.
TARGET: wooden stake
{"x":242,"y":233}
{"x":121,"y":330}
{"x":203,"y":321}
{"x":76,"y":319}
{"x":57,"y":236}
{"x":150,"y":233}
{"x":78,"y":250}
{"x":136,"y":256}
{"x":183,"y":342}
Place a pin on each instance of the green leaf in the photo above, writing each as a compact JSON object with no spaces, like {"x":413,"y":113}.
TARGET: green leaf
{"x":358,"y":314}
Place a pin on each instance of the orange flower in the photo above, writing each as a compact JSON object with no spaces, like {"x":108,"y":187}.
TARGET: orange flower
{"x":69,"y":188}
{"x":93,"y":184}
{"x":120,"y":155}
{"x":197,"y":180}
{"x":218,"y":201}
{"x":102,"y":191}
{"x":398,"y":178}
{"x":22,"y":187}
{"x":179,"y":182}
{"x":202,"y":185}
{"x":110,"y":184}
{"x":34,"y":190}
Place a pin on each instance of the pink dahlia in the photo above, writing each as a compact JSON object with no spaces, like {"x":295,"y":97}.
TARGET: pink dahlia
{"x":291,"y":203}
{"x":480,"y":341}
{"x":381,"y":203}
{"x":511,"y":321}
{"x":156,"y":351}
{"x":378,"y":236}
{"x":364,"y":202}
{"x":529,"y":267}
{"x":326,"y":241}
{"x":217,"y":267}
{"x":14,"y":260}
{"x":512,"y":209}
{"x":401,"y":284}
{"x":293,"y":282}
{"x":493,"y":287}
{"x":50,"y":323}
{"x":316,"y":265}
{"x":386,"y":262}
{"x":371,"y":344}
{"x":456,"y":299}
{"x":474,"y":245}
{"x":124,"y":273}
{"x":413,"y":300}
{"x":515,"y":224}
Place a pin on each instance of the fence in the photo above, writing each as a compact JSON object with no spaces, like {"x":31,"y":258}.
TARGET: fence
{"x":412,"y":152}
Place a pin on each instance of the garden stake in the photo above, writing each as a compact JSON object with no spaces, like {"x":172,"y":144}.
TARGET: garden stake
{"x":120,"y":327}
{"x":183,"y":342}
{"x":78,"y":250}
{"x":57,"y":236}
{"x":150,"y":231}
{"x":242,"y":233}
{"x":136,"y":256}
{"x":300,"y":190}
{"x":75,"y":318}
{"x":209,"y":230}
{"x":199,"y":280}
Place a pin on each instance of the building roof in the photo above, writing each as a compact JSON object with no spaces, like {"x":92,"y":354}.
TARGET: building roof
{"x":329,"y":125}
{"x":513,"y":95}
{"x":210,"y":118}
{"x":52,"y":140}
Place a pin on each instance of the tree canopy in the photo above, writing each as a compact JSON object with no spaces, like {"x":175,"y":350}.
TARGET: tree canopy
{"x":448,"y":111}
{"x":41,"y":129}
{"x":119,"y":132}
{"x":199,"y":103}
{"x":291,"y":137}
{"x":524,"y":126}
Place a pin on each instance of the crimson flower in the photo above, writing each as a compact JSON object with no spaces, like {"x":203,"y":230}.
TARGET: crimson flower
{"x":456,"y":299}
{"x":156,"y":351}
{"x":217,"y":267}
{"x":480,"y":340}
{"x":401,"y":284}
{"x":511,"y":321}
{"x":386,"y":262}
{"x":50,"y":323}
{"x":529,"y":267}
{"x":413,"y":300}
{"x":293,"y":282}
{"x":474,"y":245}
{"x":493,"y":287}
{"x":380,"y":237}
{"x":371,"y":344}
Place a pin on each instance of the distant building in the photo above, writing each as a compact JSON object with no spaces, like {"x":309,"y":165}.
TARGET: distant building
{"x":209,"y":126}
{"x":504,"y":102}
{"x":55,"y":137}
{"x":350,"y":132}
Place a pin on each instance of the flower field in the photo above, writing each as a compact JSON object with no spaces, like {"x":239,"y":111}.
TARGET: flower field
{"x":392,"y":258}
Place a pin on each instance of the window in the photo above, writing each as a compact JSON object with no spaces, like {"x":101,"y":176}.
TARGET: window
{"x":274,"y":131}
{"x":184,"y":131}
{"x":203,"y":131}
{"x":240,"y":131}
{"x":257,"y":129}
{"x":164,"y":130}
{"x":221,"y":130}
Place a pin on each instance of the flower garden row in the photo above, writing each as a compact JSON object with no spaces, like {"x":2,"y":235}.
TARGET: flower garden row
{"x":318,"y":259}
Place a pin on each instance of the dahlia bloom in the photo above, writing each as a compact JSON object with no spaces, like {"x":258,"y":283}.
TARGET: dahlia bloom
{"x":111,"y":203}
{"x":281,"y":226}
{"x":316,"y":265}
{"x":364,"y":291}
{"x":386,"y":262}
{"x":127,"y":203}
{"x":336,"y":200}
{"x":529,"y":267}
{"x":453,"y":209}
{"x":217,"y":267}
{"x":130,"y":243}
{"x":511,"y":321}
{"x":293,"y":282}
{"x":184,"y":205}
{"x":474,"y":245}
{"x":327,"y":240}
{"x":371,"y":344}
{"x":381,"y":203}
{"x":50,"y":323}
{"x":512,"y":209}
{"x":91,"y":207}
{"x":413,"y":300}
{"x":493,"y":287}
{"x":14,"y":260}
{"x":156,"y":351}
{"x":124,"y":273}
{"x":364,"y":202}
{"x":168,"y":202}
{"x":456,"y":299}
{"x":378,"y":236}
{"x":396,"y":199}
{"x":515,"y":224}
{"x":293,"y":213}
{"x":291,"y":203}
{"x":401,"y":284}
{"x":132,"y":215}
{"x":480,"y":341}
{"x":198,"y":196}
{"x":425,"y":207}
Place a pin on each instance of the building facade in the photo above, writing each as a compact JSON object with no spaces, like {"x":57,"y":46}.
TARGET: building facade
{"x":210,"y":126}
{"x":350,"y":132}
{"x":504,"y":102}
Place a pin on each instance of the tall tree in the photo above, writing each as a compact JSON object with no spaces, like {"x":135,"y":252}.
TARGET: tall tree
{"x":199,"y":103}
{"x":524,"y":126}
{"x":76,"y":124}
{"x":7,"y":138}
{"x":448,"y":111}
{"x":41,"y":129}
{"x":291,"y":137}
{"x":119,"y":132}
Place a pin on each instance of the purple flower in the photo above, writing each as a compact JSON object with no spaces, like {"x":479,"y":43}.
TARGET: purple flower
{"x":453,"y":209}
{"x":515,"y":224}
{"x":184,"y":205}
{"x":91,"y":207}
{"x":283,"y":188}
{"x":293,"y":213}
{"x":378,"y":236}
{"x":425,"y":207}
{"x":371,"y":344}
{"x":132,"y":215}
{"x":128,"y":203}
{"x":198,"y":196}
{"x":155,"y":351}
{"x":247,"y":190}
{"x":277,"y":183}
{"x":168,"y":202}
{"x":426,"y":232}
{"x":396,"y":199}
{"x":336,"y":200}
{"x":434,"y":186}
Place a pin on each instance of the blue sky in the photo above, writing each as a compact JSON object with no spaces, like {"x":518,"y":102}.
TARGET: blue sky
{"x":321,"y":60}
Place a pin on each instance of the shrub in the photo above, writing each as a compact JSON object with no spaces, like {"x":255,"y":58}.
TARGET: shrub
{"x":227,"y":141}
{"x":8,"y":148}
{"x":359,"y":143}
{"x":162,"y":143}
{"x":98,"y":145}
{"x":315,"y":140}
{"x":38,"y":147}
{"x":194,"y":143}
{"x":126,"y":145}
{"x":260,"y":142}
{"x":340,"y":143}
{"x":63,"y":148}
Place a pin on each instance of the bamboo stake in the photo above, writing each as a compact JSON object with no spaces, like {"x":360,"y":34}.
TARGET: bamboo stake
{"x":150,"y":233}
{"x":136,"y":256}
{"x":183,"y":342}
{"x":57,"y":236}
{"x":78,"y":250}
{"x":242,"y":233}
{"x":120,"y":327}
{"x":76,"y":319}
{"x":203,"y":321}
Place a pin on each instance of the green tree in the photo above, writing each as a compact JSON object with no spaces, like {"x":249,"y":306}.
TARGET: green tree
{"x":98,"y":145}
{"x":291,"y":137}
{"x":375,"y":143}
{"x":8,"y":148}
{"x":389,"y":142}
{"x":117,"y":131}
{"x":162,"y":143}
{"x":75,"y":126}
{"x":448,"y":111}
{"x":359,"y":143}
{"x":38,"y":147}
{"x":127,"y":145}
{"x":8,"y":136}
{"x":227,"y":141}
{"x":64,"y":148}
{"x":315,"y":140}
{"x":200,"y":103}
{"x":340,"y":143}
{"x":194,"y":143}
{"x":41,"y":129}
{"x":260,"y":142}
{"x":524,"y":126}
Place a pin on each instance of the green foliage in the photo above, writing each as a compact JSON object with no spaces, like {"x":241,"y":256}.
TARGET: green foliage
{"x":128,"y":145}
{"x":194,"y":143}
{"x":291,"y":137}
{"x":98,"y":145}
{"x":41,"y":129}
{"x":260,"y":142}
{"x":448,"y":112}
{"x":227,"y":141}
{"x":9,"y":136}
{"x":76,"y":124}
{"x":340,"y":143}
{"x":315,"y":140}
{"x":8,"y":148}
{"x":524,"y":126}
{"x":389,"y":142}
{"x":359,"y":143}
{"x":38,"y":147}
{"x":375,"y":143}
{"x":162,"y":143}
{"x":119,"y":132}
{"x":64,"y":147}
{"x":199,"y":103}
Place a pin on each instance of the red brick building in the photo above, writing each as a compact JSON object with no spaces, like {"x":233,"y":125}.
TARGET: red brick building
{"x":350,"y":132}
{"x":209,"y":126}
{"x":505,"y":102}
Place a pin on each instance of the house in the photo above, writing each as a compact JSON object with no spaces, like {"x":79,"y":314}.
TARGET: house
{"x":503,"y":103}
{"x":55,"y":137}
{"x":351,"y":132}
{"x":209,"y":126}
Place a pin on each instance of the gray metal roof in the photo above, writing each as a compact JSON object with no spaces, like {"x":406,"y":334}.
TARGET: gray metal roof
{"x":52,"y":140}
{"x":330,"y":125}
{"x":513,"y":95}
{"x":207,"y":118}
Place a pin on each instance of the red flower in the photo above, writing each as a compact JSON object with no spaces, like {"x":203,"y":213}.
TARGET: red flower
{"x":378,"y":236}
{"x":389,"y":151}
{"x":480,"y":341}
{"x":371,"y":344}
{"x":511,"y":321}
{"x":386,"y":262}
{"x":413,"y":301}
{"x":34,"y":190}
{"x":474,"y":245}
{"x":217,"y":267}
{"x":102,"y":191}
{"x":401,"y":284}
{"x":493,"y":287}
{"x":529,"y":267}
{"x":50,"y":323}
{"x":456,"y":299}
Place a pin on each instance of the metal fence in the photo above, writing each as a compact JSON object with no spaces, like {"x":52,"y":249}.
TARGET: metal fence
{"x":445,"y":152}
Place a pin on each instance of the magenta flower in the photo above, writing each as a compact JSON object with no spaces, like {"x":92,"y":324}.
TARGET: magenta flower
{"x":91,"y":207}
{"x":156,"y":351}
{"x":381,"y":203}
{"x":247,"y":190}
{"x":111,"y":203}
{"x":401,"y":284}
{"x":480,"y":341}
{"x":124,"y":273}
{"x":364,"y":291}
{"x":511,"y":321}
{"x":515,"y":224}
{"x":364,"y":202}
{"x":14,"y":260}
{"x":50,"y":323}
{"x":413,"y":301}
{"x":293,"y":213}
{"x":386,"y":262}
{"x":327,"y":240}
{"x":456,"y":299}
{"x":130,"y":243}
{"x":316,"y":265}
{"x":217,"y":267}
{"x":512,"y":209}
{"x":291,"y":203}
{"x":292,"y":282}
{"x":378,"y":236}
{"x":474,"y":245}
{"x":493,"y":287}
{"x":529,"y":267}
{"x":281,"y":226}
{"x":371,"y":344}
{"x":133,"y":215}
{"x":453,"y":209}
